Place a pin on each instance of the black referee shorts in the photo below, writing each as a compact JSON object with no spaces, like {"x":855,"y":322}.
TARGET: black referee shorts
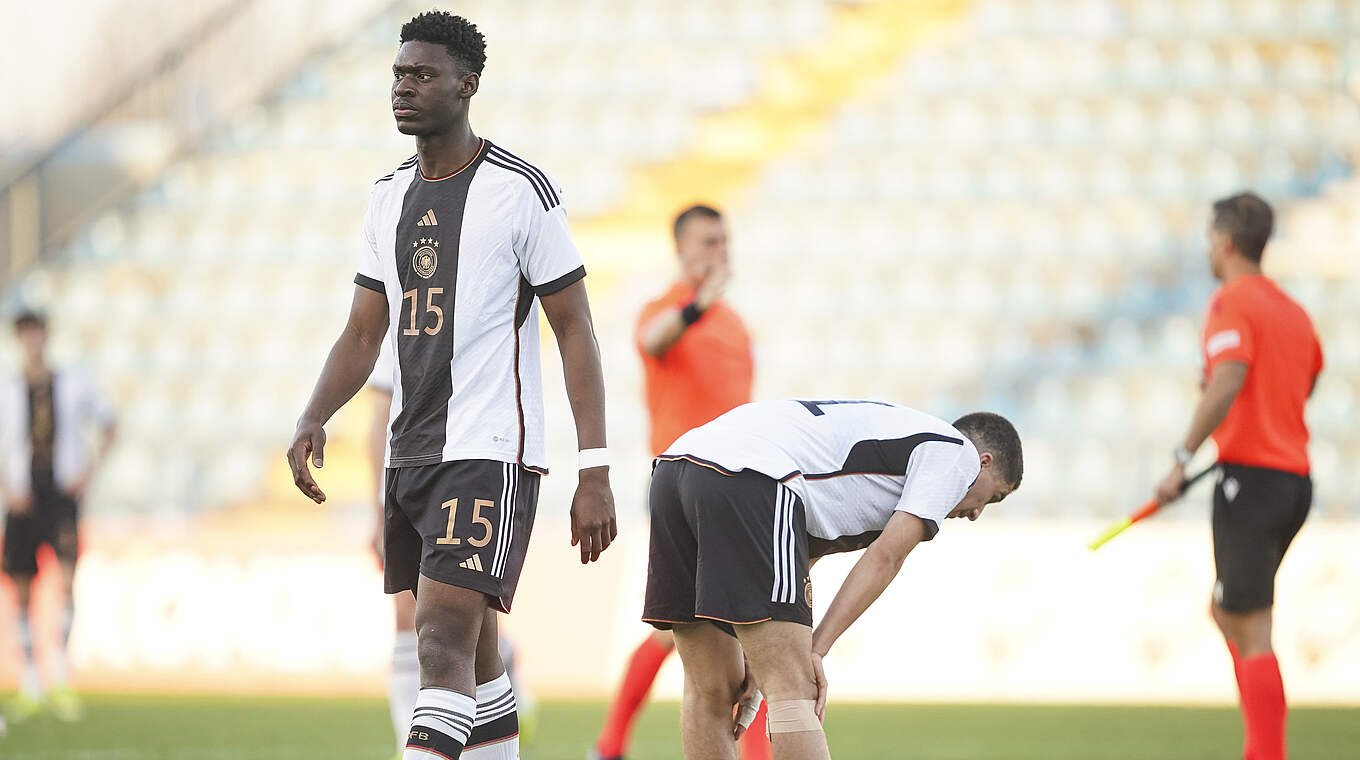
{"x":463,"y":523}
{"x":725,"y":548}
{"x":1257,"y":512}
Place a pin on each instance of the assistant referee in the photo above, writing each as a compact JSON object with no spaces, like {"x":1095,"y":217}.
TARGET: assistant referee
{"x":1261,"y":361}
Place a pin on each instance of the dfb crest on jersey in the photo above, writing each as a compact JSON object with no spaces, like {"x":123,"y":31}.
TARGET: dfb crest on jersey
{"x":426,"y":258}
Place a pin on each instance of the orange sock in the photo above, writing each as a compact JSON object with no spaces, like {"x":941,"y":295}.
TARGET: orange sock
{"x":755,"y":744}
{"x":1263,"y":707}
{"x":637,"y":681}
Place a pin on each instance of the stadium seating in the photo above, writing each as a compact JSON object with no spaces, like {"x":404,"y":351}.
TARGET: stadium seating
{"x":1013,"y":219}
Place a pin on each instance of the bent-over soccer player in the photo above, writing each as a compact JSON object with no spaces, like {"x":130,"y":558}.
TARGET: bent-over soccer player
{"x":461,"y":243}
{"x":742,"y":506}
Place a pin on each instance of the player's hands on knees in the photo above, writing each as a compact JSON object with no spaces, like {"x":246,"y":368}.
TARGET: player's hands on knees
{"x":748,"y":704}
{"x":309,"y":442}
{"x":593,"y":526}
{"x":820,"y":707}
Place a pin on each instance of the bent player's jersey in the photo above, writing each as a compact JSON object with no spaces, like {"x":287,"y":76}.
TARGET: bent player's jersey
{"x":853,"y":463}
{"x":461,"y":260}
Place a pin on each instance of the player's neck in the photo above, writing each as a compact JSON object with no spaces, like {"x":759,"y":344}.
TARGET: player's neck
{"x":35,"y":372}
{"x":1238,"y":268}
{"x":443,"y":154}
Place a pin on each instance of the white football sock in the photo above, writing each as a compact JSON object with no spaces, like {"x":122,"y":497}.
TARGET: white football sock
{"x":495,"y":732}
{"x":30,"y":684}
{"x":403,"y":684}
{"x":439,"y":724}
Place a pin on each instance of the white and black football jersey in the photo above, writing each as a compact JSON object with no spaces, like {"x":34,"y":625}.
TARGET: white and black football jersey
{"x":853,"y":462}
{"x":462,"y":260}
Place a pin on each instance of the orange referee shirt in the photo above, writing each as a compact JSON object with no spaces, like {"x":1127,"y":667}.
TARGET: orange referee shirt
{"x":706,"y":373}
{"x":1251,"y":320}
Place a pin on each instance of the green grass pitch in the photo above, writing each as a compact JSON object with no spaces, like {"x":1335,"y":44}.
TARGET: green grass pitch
{"x":260,"y":728}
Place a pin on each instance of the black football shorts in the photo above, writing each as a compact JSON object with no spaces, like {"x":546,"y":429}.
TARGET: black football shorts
{"x":463,"y":523}
{"x":725,"y":548}
{"x":1257,"y":512}
{"x":52,"y":519}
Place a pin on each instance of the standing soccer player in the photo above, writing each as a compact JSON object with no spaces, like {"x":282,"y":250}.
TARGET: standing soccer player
{"x":696,"y":356}
{"x":1261,"y":361}
{"x":461,"y":243}
{"x":761,"y":492}
{"x":44,"y":417}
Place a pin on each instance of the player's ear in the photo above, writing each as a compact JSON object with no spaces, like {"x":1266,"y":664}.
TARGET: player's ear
{"x":468,"y":87}
{"x":986,"y":459}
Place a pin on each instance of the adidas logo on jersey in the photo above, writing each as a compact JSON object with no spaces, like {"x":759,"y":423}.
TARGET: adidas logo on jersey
{"x":428,"y":220}
{"x":472,"y":563}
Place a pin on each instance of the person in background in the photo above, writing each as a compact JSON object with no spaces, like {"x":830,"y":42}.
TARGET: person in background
{"x":45,"y":414}
{"x":696,"y":356}
{"x":1261,"y":362}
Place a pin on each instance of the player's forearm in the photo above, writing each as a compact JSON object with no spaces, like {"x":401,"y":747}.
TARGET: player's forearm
{"x":865,"y":583}
{"x":1214,"y":404}
{"x":585,"y":381}
{"x":347,"y":366}
{"x":663,"y":332}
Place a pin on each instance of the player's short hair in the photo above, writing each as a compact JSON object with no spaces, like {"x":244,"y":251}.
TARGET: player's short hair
{"x":29,"y":318}
{"x":1247,"y":220}
{"x":690,"y":212}
{"x":995,"y":434}
{"x":459,"y":36}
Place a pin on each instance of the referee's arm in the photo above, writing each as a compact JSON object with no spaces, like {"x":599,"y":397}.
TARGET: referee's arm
{"x":1219,"y":393}
{"x":347,"y":368}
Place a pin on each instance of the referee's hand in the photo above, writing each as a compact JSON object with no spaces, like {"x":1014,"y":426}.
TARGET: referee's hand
{"x":593,"y":526}
{"x":308,"y":441}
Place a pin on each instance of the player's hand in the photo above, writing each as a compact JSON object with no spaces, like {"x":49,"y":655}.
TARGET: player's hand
{"x":308,"y":442}
{"x":713,"y":287}
{"x":820,"y":707}
{"x":748,"y":704}
{"x":593,"y":526}
{"x":1171,"y":486}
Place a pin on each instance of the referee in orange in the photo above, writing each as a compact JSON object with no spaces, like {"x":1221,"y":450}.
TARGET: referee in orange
{"x":697,"y":365}
{"x":1261,"y":361}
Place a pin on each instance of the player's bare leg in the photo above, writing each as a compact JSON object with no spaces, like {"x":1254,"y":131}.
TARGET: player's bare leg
{"x":781,"y":659}
{"x":449,"y":622}
{"x":26,"y":702}
{"x":713,"y":676}
{"x":1264,"y":710}
{"x":495,"y":732}
{"x":63,"y":701}
{"x":403,"y":682}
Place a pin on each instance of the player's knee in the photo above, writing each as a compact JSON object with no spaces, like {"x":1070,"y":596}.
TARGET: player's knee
{"x":714,"y":688}
{"x":789,"y":716}
{"x":445,"y":648}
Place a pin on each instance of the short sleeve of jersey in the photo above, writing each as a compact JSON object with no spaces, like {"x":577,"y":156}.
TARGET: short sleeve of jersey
{"x":938,"y":475}
{"x":547,"y":256}
{"x":370,"y":265}
{"x":1227,"y":334}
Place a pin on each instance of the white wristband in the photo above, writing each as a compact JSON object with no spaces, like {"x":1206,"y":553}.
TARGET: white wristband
{"x":593,"y":458}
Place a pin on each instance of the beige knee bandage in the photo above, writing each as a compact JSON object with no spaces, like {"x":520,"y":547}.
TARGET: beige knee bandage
{"x":793,"y":715}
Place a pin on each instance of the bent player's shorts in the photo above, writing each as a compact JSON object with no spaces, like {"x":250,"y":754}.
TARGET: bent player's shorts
{"x":725,"y":548}
{"x":1257,"y":512}
{"x":52,"y":519}
{"x":463,"y":523}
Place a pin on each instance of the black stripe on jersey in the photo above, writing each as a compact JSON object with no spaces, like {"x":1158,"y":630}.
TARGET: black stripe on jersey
{"x":545,"y":183}
{"x":370,"y":283}
{"x":420,"y":429}
{"x":553,"y":286}
{"x":882,"y":457}
{"x":407,"y":164}
{"x":524,"y":301}
{"x":542,"y":199}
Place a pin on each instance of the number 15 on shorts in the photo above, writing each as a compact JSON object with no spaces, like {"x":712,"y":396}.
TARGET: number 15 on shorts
{"x":480,"y":523}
